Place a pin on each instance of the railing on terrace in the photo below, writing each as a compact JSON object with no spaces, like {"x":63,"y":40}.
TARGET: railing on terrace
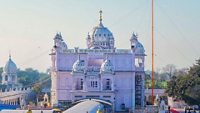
{"x":97,"y":51}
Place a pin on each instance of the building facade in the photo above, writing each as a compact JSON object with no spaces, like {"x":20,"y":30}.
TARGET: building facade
{"x":100,"y":71}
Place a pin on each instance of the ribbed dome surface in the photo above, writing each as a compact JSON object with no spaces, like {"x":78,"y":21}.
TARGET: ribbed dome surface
{"x":79,"y":66}
{"x":100,"y":37}
{"x":10,"y":67}
{"x":139,"y":48}
{"x":107,"y":67}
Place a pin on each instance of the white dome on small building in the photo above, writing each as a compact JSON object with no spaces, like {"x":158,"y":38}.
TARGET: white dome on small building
{"x":107,"y":67}
{"x":10,"y":67}
{"x":9,"y":75}
{"x":79,"y":66}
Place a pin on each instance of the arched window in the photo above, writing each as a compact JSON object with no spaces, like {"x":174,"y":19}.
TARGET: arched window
{"x":6,"y":78}
{"x":94,"y":84}
{"x":108,"y":84}
{"x":123,"y":106}
{"x":81,"y":85}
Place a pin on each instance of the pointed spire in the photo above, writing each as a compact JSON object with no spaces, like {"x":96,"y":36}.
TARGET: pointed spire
{"x":100,"y":18}
{"x":134,"y":36}
{"x":59,"y":33}
{"x":9,"y":55}
{"x":88,"y":36}
{"x":58,"y":36}
{"x":100,"y":12}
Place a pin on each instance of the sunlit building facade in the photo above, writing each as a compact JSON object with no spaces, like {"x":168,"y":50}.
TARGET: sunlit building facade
{"x":100,"y":71}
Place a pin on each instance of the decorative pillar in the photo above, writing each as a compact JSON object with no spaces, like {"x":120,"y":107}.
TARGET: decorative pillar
{"x":101,"y":84}
{"x":84,"y":84}
{"x":112,"y":85}
{"x":73,"y":85}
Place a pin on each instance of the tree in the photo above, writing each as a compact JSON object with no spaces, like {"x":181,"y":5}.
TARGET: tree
{"x":28,"y":76}
{"x":159,"y":80}
{"x":170,"y":70}
{"x":186,"y":86}
{"x":1,"y":71}
{"x":37,"y":90}
{"x":163,"y":77}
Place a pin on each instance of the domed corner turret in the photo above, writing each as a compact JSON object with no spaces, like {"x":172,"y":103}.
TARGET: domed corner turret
{"x":59,"y":42}
{"x":10,"y":67}
{"x":136,"y":46}
{"x":107,"y":67}
{"x":79,"y":66}
{"x":58,"y":36}
{"x":139,"y":49}
{"x":101,"y":37}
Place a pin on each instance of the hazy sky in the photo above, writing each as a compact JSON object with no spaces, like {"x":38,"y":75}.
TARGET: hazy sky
{"x":27,"y":28}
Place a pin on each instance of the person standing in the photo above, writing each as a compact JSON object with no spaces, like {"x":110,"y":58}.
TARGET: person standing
{"x":168,"y":109}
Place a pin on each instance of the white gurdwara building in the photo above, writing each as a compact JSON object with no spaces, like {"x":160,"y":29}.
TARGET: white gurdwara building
{"x":101,"y":71}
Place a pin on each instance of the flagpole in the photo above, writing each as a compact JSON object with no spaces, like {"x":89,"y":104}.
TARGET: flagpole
{"x":152,"y":77}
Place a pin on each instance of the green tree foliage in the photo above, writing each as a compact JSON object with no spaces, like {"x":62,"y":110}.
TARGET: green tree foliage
{"x":2,"y":87}
{"x":170,"y":70}
{"x":37,"y":80}
{"x":159,"y":80}
{"x":1,"y":71}
{"x":186,"y":86}
{"x":37,"y":89}
{"x":28,"y":76}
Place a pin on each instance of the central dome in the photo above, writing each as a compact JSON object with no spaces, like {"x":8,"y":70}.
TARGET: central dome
{"x":101,"y":33}
{"x":100,"y":37}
